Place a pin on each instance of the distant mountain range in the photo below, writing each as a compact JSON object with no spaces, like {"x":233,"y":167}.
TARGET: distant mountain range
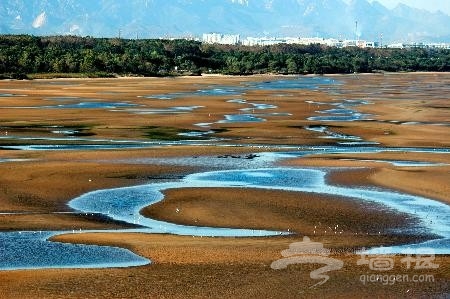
{"x":181,"y":18}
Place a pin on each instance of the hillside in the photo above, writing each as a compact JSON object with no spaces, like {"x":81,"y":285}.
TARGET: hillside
{"x":159,"y":18}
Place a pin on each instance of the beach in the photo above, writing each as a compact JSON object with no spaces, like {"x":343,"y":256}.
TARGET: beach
{"x":149,"y":131}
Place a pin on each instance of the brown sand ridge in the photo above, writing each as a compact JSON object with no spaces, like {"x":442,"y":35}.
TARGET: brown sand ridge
{"x":304,"y":213}
{"x":187,"y":267}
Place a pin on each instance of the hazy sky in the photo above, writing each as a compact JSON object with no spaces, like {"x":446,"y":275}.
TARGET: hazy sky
{"x":432,"y":5}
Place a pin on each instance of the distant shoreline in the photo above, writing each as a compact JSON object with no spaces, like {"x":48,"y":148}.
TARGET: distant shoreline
{"x":33,"y":57}
{"x":208,"y":75}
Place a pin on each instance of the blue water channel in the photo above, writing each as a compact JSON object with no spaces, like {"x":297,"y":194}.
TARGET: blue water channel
{"x":31,"y":250}
{"x":124,"y":204}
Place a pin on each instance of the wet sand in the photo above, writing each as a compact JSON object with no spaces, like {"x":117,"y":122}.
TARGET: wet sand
{"x":186,"y":267}
{"x":428,"y":181}
{"x":220,"y":267}
{"x":306,"y":214}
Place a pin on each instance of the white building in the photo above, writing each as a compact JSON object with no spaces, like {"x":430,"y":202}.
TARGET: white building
{"x":263,"y":41}
{"x":331,"y":42}
{"x":396,"y":46}
{"x":230,"y":39}
{"x":224,"y":39}
{"x":438,"y":45}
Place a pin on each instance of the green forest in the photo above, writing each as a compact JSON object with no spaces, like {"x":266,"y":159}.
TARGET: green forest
{"x":25,"y":56}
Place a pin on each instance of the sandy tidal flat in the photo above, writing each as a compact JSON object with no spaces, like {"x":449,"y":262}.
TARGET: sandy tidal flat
{"x":402,"y":110}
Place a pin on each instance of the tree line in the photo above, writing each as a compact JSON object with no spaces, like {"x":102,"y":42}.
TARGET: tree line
{"x":22,"y":55}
